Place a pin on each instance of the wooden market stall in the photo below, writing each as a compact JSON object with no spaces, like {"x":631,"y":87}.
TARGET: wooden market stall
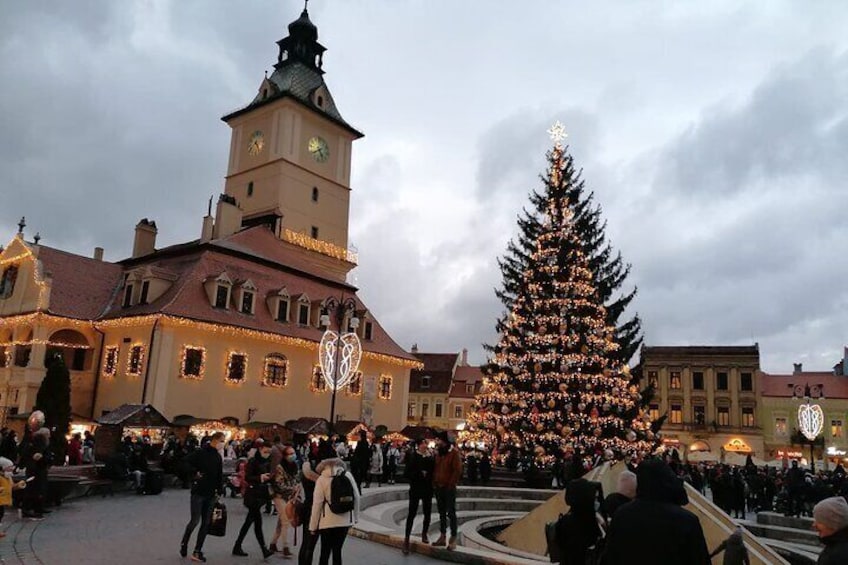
{"x":128,"y":419}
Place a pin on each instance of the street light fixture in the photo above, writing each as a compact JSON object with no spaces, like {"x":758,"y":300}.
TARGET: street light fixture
{"x":339,"y":352}
{"x":810,"y":416}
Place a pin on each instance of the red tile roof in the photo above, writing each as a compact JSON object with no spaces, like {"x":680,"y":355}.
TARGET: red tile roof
{"x":834,"y":386}
{"x":439,"y":367}
{"x":466,"y":375}
{"x":85,"y":288}
{"x":81,"y":286}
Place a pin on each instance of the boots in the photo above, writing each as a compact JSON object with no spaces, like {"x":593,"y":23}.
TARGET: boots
{"x":440,"y":542}
{"x":406,"y":546}
{"x":424,"y":538}
{"x":452,"y":543}
{"x":287,"y":553}
{"x":238,"y":551}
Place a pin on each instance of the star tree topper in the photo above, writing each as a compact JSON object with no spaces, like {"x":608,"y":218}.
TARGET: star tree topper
{"x":557,"y":133}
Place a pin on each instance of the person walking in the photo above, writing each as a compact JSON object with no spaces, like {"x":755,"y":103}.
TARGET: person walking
{"x":360,"y":460}
{"x":285,"y":487}
{"x":447,"y":472}
{"x":375,"y":473}
{"x":419,"y":473}
{"x":654,"y":528}
{"x":207,"y":470}
{"x":830,"y":520}
{"x":258,"y":476}
{"x":333,"y":513}
{"x":308,"y":476}
{"x":391,"y":463}
{"x":578,"y":530}
{"x":735,"y":552}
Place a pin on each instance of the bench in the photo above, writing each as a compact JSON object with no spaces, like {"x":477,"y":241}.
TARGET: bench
{"x":98,"y":486}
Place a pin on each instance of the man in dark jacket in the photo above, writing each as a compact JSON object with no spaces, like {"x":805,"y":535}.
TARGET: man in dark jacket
{"x":360,"y":460}
{"x":830,"y":519}
{"x":653,"y":528}
{"x":207,"y":468}
{"x":419,"y":473}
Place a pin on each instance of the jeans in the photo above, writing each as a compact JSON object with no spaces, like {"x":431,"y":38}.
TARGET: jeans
{"x":307,"y":546}
{"x":332,"y":540}
{"x":446,"y":502}
{"x":426,"y":499}
{"x":201,"y":511}
{"x":254,"y":517}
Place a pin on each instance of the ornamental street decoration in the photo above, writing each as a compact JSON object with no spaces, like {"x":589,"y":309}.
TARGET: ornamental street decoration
{"x":348,"y":358}
{"x":810,"y":420}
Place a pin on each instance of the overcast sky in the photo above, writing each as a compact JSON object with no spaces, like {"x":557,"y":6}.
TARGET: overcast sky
{"x":714,"y":134}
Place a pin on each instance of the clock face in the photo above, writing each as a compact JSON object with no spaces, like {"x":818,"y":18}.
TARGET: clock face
{"x":319,"y":149}
{"x":256,"y":143}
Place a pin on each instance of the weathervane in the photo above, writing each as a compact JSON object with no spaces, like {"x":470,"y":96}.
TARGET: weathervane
{"x":557,"y":133}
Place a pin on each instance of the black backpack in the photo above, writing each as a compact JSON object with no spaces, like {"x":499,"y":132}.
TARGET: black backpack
{"x":341,"y":494}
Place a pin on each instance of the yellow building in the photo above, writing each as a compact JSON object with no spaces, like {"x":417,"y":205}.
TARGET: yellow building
{"x":710,"y":394}
{"x":228,"y":325}
{"x":429,"y":389}
{"x":784,"y":394}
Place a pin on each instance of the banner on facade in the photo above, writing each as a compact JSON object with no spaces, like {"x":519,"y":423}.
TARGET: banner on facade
{"x":369,"y":395}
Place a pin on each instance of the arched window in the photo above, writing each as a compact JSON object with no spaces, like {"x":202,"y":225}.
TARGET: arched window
{"x":276,"y":370}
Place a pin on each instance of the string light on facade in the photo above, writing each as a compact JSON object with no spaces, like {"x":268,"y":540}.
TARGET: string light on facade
{"x":236,"y":367}
{"x":317,"y":383}
{"x":275,"y":374}
{"x":110,"y":361}
{"x":319,"y":246}
{"x":190,"y":366}
{"x":385,"y":392}
{"x":135,"y":360}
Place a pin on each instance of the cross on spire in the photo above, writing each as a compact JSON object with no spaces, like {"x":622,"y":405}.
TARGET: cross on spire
{"x":21,"y":225}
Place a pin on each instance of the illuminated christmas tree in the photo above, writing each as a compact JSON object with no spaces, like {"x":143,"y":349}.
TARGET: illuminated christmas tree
{"x":556,"y":379}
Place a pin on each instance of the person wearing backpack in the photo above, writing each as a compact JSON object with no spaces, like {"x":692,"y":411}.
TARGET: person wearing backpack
{"x":335,"y":508}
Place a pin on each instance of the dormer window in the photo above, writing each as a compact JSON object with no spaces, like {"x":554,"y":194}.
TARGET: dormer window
{"x":368,"y":332}
{"x":304,"y":308}
{"x":246,"y":302}
{"x":469,"y":388}
{"x":128,"y":293}
{"x":315,"y":194}
{"x":320,"y":98}
{"x":250,"y":188}
{"x":222,"y":296}
{"x":145,"y":291}
{"x":283,"y":309}
{"x":425,"y":381}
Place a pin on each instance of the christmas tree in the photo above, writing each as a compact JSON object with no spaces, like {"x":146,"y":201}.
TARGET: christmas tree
{"x":556,"y":379}
{"x":610,"y":271}
{"x":54,"y":399}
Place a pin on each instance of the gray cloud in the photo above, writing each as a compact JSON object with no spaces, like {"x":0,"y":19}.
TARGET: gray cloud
{"x":715,"y":149}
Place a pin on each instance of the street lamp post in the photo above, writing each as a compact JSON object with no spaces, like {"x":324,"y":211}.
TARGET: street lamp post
{"x":339,"y":352}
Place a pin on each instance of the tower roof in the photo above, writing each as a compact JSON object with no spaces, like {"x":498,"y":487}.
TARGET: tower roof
{"x":298,"y":74}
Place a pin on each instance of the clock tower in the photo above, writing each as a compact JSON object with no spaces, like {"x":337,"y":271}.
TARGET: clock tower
{"x":290,"y":148}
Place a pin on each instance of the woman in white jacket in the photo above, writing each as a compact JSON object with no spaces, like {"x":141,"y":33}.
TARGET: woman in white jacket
{"x":331,"y":527}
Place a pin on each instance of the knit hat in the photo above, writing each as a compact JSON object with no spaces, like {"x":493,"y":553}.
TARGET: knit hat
{"x":259,"y":443}
{"x":832,"y":512}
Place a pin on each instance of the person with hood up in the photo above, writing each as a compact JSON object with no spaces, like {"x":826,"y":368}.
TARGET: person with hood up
{"x":625,"y":492}
{"x":578,"y":530}
{"x":330,"y":526}
{"x":830,"y":519}
{"x":654,"y":528}
{"x":735,"y":552}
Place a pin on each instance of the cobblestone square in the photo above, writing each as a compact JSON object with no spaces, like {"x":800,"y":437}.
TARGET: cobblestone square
{"x":139,"y":530}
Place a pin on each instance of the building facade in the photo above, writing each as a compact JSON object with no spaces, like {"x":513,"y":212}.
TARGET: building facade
{"x":710,"y":396}
{"x":228,"y":325}
{"x":442,"y":391}
{"x":782,"y":397}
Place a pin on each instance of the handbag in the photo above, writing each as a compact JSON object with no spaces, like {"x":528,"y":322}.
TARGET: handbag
{"x":218,"y":522}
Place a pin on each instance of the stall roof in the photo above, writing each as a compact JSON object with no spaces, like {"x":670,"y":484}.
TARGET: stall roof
{"x":135,"y":415}
{"x":419,"y":432}
{"x":309,"y":425}
{"x":260,"y":425}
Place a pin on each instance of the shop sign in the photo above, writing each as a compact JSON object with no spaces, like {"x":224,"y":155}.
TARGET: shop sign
{"x":833,"y":452}
{"x":781,"y":453}
{"x":736,"y":445}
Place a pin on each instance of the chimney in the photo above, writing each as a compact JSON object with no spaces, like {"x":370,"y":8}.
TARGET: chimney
{"x":228,"y":217}
{"x":208,"y":228}
{"x":414,"y":349}
{"x":145,"y":238}
{"x":464,"y":359}
{"x":98,"y":253}
{"x":798,"y":368}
